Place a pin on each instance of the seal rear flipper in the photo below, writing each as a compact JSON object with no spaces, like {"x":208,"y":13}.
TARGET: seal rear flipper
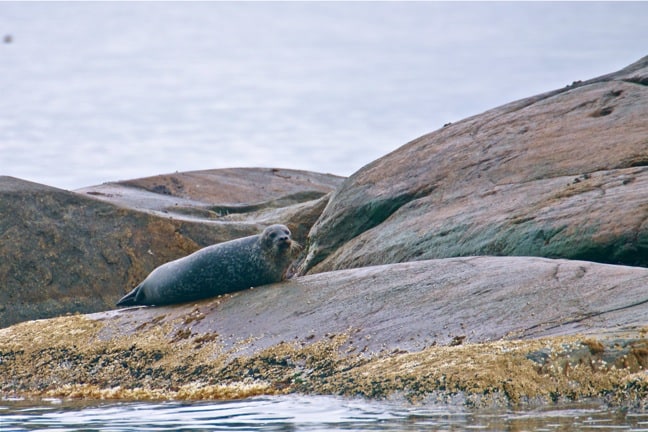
{"x":133,"y":298}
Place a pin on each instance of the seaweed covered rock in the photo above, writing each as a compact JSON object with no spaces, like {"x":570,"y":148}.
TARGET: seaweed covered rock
{"x":561,"y":174}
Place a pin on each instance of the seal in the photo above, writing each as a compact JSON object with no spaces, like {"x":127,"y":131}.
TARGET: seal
{"x":218,"y":269}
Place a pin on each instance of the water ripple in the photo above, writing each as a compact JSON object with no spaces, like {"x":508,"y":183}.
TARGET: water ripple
{"x":302,"y":413}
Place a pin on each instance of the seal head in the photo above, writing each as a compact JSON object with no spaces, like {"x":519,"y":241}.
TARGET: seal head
{"x":218,"y":269}
{"x":276,"y":239}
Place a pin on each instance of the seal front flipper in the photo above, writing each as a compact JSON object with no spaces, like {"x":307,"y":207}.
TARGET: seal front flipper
{"x":133,"y":298}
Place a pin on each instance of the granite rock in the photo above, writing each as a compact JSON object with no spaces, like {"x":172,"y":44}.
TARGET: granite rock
{"x":563,"y":174}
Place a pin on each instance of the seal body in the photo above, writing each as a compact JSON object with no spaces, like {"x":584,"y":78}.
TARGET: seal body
{"x":218,"y":269}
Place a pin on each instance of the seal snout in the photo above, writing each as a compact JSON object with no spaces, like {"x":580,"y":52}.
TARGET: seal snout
{"x":283,"y":242}
{"x":278,"y":238}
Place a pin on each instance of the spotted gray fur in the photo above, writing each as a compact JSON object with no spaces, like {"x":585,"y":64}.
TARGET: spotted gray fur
{"x":218,"y":269}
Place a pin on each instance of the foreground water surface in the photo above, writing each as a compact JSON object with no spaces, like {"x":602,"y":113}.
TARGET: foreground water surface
{"x":300,"y":413}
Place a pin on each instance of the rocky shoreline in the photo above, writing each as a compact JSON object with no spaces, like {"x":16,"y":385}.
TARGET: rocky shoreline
{"x":165,"y":360}
{"x":499,"y":260}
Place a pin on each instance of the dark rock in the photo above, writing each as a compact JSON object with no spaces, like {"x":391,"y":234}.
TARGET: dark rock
{"x":596,"y":355}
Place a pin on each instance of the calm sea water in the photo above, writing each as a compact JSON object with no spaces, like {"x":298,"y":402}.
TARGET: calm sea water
{"x":102,"y":91}
{"x":295,"y":413}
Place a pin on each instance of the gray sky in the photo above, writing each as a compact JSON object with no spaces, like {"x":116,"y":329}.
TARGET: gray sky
{"x":95,"y":92}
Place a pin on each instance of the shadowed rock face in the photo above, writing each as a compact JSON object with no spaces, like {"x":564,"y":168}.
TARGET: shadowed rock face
{"x":562,"y":174}
{"x":65,"y":252}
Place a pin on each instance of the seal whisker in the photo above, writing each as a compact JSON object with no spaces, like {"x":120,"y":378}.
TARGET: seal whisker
{"x":295,"y":247}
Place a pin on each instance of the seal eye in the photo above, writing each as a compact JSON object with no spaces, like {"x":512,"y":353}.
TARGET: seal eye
{"x":273,"y":235}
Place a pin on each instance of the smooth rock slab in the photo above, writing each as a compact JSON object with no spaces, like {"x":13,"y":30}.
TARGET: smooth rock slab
{"x":217,"y":193}
{"x":413,"y":305}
